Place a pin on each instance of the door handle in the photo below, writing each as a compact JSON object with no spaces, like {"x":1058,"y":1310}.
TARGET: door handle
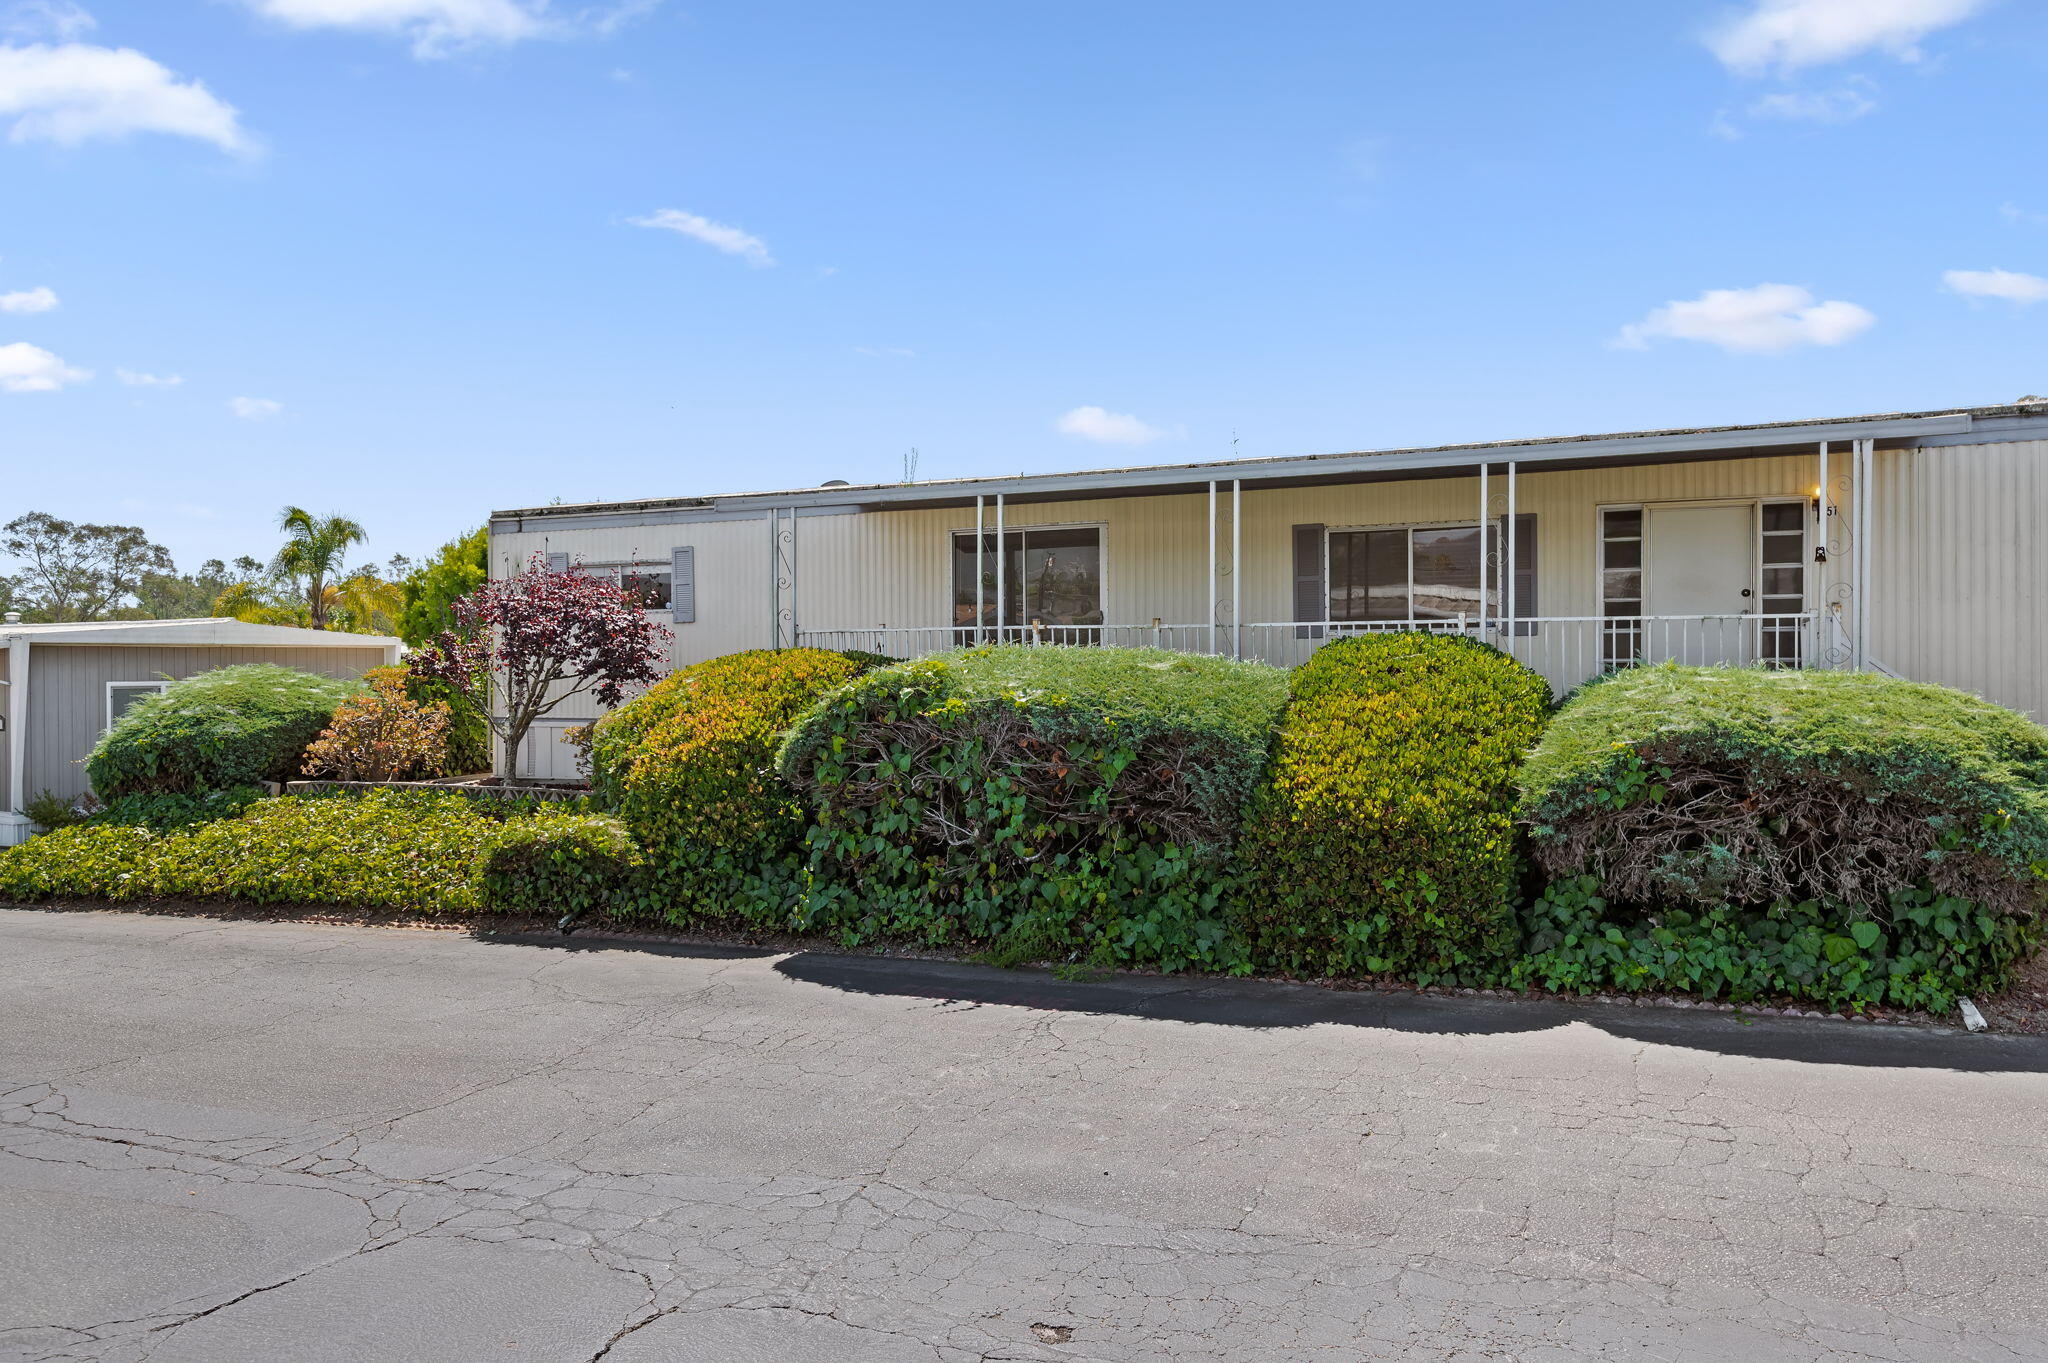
{"x":1745,"y":593}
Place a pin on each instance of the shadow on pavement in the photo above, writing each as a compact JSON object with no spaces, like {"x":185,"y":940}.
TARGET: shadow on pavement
{"x":1268,"y":1004}
{"x":1262,"y":1003}
{"x":648,"y":946}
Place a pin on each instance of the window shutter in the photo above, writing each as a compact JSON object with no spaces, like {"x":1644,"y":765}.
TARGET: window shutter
{"x":1311,"y":591}
{"x":558,"y":563}
{"x":1525,"y":574}
{"x":682,"y":584}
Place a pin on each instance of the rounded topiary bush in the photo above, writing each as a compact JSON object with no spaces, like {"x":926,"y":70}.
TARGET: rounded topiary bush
{"x":232,"y":726}
{"x":1383,"y":840}
{"x":1075,"y":801}
{"x":1701,"y":786}
{"x":689,"y":768}
{"x":1847,"y":838}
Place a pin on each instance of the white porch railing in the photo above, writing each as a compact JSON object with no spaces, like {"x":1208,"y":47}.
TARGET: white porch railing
{"x":1567,"y":650}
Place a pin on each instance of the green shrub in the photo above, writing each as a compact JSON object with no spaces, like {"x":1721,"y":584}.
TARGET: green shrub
{"x":229,"y":727}
{"x":82,"y":861}
{"x":689,"y":768}
{"x":1930,"y":949}
{"x":563,"y":866}
{"x":1383,"y":840}
{"x":1081,"y":799}
{"x":176,"y":810}
{"x":383,"y":849}
{"x":1699,"y":787}
{"x":50,"y":810}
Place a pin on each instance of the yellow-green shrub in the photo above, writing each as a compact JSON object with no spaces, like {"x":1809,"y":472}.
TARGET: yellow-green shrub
{"x":1383,"y":840}
{"x":689,"y":768}
{"x":416,"y":851}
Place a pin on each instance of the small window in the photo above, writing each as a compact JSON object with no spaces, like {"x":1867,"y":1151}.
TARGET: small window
{"x":122,"y":695}
{"x":1621,"y":587}
{"x":1781,"y":640}
{"x":1418,"y":573}
{"x":647,"y":583}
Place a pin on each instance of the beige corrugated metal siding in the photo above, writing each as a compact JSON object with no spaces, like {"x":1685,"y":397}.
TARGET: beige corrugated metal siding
{"x":1960,"y":567}
{"x":68,"y":694}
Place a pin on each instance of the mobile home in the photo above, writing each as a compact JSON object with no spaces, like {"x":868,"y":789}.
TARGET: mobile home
{"x":1903,"y":542}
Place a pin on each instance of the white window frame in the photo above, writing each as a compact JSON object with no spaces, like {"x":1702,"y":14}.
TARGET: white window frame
{"x":612,"y":568}
{"x":1498,"y":525}
{"x":107,"y":709}
{"x":1101,"y":529}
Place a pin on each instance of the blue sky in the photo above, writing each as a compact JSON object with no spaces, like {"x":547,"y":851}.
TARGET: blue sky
{"x":417,"y":259}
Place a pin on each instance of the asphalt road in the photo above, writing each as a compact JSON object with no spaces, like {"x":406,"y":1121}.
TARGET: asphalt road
{"x":225,"y":1141}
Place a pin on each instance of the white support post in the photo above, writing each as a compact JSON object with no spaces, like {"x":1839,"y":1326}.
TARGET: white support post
{"x":1002,"y":585}
{"x":17,"y":722}
{"x":774,"y":579}
{"x":1212,"y":565}
{"x":980,"y":543}
{"x":794,"y":637}
{"x":1508,"y":567}
{"x":1482,"y":549}
{"x":1237,"y":568}
{"x":1819,"y":595}
{"x":1866,"y":514}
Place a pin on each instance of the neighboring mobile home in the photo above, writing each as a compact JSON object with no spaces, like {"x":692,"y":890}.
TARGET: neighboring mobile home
{"x":1905,"y":542}
{"x":66,"y":684}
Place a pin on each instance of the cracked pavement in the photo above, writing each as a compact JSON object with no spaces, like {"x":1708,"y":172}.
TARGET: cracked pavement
{"x":236,"y":1140}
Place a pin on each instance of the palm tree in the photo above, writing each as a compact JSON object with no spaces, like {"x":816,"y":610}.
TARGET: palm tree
{"x":313,"y":551}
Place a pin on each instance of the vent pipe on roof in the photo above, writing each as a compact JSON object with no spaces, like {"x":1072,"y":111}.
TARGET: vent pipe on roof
{"x":835,"y":482}
{"x":13,"y":617}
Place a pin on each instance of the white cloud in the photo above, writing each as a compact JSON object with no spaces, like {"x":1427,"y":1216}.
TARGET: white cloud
{"x":254,"y":409}
{"x":1844,"y":104}
{"x":1769,"y":317}
{"x":1787,"y":34}
{"x":74,"y":92}
{"x":2013,"y":213}
{"x":28,"y":300}
{"x":59,"y":19}
{"x":137,"y":379}
{"x":2007,"y":284}
{"x":25,"y":368}
{"x":1109,"y":428}
{"x":438,"y":27}
{"x":731,"y":240}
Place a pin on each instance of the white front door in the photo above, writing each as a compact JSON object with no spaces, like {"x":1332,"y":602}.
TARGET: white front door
{"x":1699,"y":561}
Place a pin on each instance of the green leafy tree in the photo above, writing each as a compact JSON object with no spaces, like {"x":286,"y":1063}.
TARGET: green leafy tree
{"x":458,"y":568}
{"x":75,"y":571}
{"x":314,"y":556}
{"x":185,"y":596}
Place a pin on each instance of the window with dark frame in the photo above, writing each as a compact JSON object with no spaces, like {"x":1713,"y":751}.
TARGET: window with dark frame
{"x":1781,"y":641}
{"x":1409,"y":573}
{"x":1621,"y":587}
{"x":1051,"y":576}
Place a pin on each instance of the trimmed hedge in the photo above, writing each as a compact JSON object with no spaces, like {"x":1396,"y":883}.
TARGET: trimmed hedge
{"x":1694,"y":787}
{"x":1929,"y":949}
{"x":1083,"y":800}
{"x":382,"y":849}
{"x":233,"y":726}
{"x":565,"y":865}
{"x":1383,"y":840}
{"x":689,"y":769}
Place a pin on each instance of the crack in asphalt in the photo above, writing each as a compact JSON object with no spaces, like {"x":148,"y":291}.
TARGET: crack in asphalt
{"x":677,"y":1150}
